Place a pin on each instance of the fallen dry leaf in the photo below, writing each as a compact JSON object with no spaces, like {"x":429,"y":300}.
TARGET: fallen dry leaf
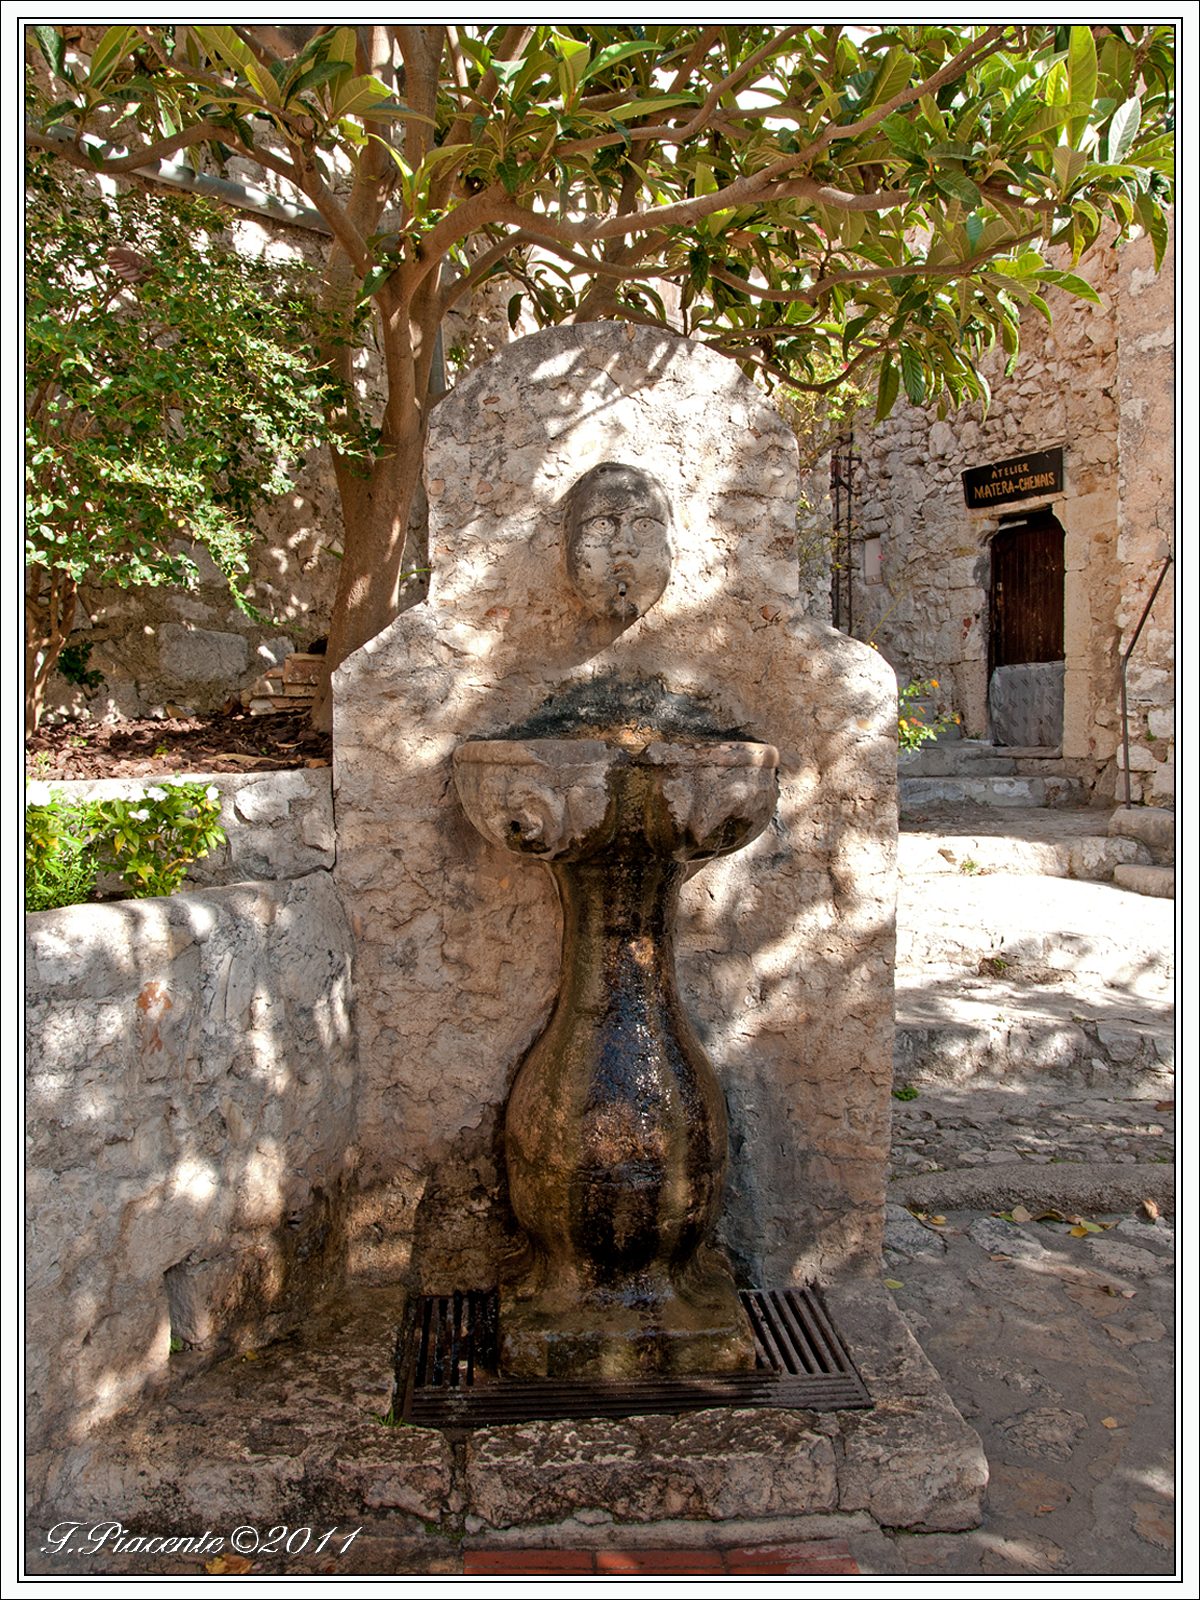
{"x":220,"y":1566}
{"x":1019,"y":1214}
{"x":1109,"y":1422}
{"x":893,"y":1283}
{"x":1150,"y":1209}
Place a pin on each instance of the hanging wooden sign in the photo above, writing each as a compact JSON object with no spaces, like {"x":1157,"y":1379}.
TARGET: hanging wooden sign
{"x":1038,"y":473}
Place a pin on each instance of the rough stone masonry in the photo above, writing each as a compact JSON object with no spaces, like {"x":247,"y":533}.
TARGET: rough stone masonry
{"x":785,"y":950}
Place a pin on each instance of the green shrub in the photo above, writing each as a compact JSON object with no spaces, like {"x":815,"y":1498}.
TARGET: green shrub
{"x":60,"y":865}
{"x":151,"y":841}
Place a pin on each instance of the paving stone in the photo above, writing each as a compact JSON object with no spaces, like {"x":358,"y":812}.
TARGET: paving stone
{"x":1047,"y":1431}
{"x":998,"y":1237}
{"x":907,"y":1236}
{"x":1115,"y":1256}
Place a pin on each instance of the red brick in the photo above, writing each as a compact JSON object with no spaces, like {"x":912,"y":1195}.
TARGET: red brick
{"x":647,"y":1561}
{"x":521,"y":1563}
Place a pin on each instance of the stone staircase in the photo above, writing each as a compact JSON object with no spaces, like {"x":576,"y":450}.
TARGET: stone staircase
{"x":972,"y":771}
{"x":1035,"y":940}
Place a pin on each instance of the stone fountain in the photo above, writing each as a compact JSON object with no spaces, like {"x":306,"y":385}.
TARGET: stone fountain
{"x":616,"y":1139}
{"x":655,"y":1070}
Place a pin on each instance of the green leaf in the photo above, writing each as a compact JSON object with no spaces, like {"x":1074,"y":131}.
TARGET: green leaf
{"x":506,"y":71}
{"x":889,"y":389}
{"x":224,"y":42}
{"x":1123,"y":128}
{"x":107,"y":54}
{"x":613,"y":53}
{"x":1068,"y":164}
{"x":514,"y":312}
{"x":54,"y":48}
{"x":898,"y":69}
{"x":913,"y":372}
{"x":574,"y":54}
{"x":374,"y":279}
{"x":1081,"y":74}
{"x":1151,"y":218}
{"x":959,"y":186}
{"x":648,"y":107}
{"x":1073,"y":284}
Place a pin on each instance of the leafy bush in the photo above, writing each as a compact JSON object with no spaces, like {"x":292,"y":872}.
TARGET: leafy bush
{"x":913,"y":729}
{"x":150,"y":841}
{"x":60,"y":865}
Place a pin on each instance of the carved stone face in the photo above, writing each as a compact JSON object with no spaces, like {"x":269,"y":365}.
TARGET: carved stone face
{"x":617,"y":522}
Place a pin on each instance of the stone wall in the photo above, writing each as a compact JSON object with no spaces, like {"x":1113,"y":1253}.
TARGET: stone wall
{"x":190,"y":1109}
{"x":1099,"y":382}
{"x":1146,"y":517}
{"x":785,"y":949}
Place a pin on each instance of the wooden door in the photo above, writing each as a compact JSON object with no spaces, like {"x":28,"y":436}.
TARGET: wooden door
{"x":1027,"y":592}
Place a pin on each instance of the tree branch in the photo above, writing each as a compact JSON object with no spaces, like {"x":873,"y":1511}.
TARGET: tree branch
{"x":161,"y":150}
{"x":812,"y":293}
{"x":510,"y":47}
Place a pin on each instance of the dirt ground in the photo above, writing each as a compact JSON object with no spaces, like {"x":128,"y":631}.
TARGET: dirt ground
{"x":222,"y":741}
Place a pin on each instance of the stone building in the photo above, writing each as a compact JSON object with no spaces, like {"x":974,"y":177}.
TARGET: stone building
{"x":1023,"y":605}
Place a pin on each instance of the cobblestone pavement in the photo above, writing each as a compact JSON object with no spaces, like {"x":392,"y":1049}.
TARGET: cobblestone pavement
{"x":947,"y":1130}
{"x":1056,"y":1343}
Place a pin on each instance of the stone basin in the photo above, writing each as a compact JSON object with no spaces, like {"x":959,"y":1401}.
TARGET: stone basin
{"x":616,"y":1138}
{"x":556,"y":799}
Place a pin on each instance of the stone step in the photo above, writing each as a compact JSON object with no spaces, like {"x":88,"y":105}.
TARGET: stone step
{"x":1128,"y":1056}
{"x":1059,"y":931}
{"x":1154,"y":826}
{"x":1091,"y":857}
{"x":1156,"y":881}
{"x":942,"y":761}
{"x":943,"y":755}
{"x":1015,"y":791}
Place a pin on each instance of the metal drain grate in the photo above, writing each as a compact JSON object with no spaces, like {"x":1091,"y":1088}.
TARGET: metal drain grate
{"x":447,"y":1369}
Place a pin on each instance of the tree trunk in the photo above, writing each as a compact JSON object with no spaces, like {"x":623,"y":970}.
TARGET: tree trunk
{"x":47,"y":628}
{"x":377,"y":553}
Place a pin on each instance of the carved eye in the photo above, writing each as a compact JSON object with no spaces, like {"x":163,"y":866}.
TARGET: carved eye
{"x":647,"y":525}
{"x":599,"y":527}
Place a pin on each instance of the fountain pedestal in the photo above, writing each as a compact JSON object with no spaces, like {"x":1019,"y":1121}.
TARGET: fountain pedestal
{"x":616,"y":1142}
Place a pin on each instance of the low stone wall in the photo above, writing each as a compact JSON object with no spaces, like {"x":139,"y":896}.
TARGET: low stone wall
{"x":191,"y":1116}
{"x":277,"y":824}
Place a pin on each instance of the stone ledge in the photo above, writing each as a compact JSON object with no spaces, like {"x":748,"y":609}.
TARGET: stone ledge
{"x":1097,"y":1186}
{"x":295,"y":1434}
{"x":1158,"y":882}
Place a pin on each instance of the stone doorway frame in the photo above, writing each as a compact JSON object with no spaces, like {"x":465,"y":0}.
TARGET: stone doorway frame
{"x":1083,"y":519}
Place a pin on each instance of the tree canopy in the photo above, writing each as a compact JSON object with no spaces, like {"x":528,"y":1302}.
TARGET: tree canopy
{"x":825,"y":200}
